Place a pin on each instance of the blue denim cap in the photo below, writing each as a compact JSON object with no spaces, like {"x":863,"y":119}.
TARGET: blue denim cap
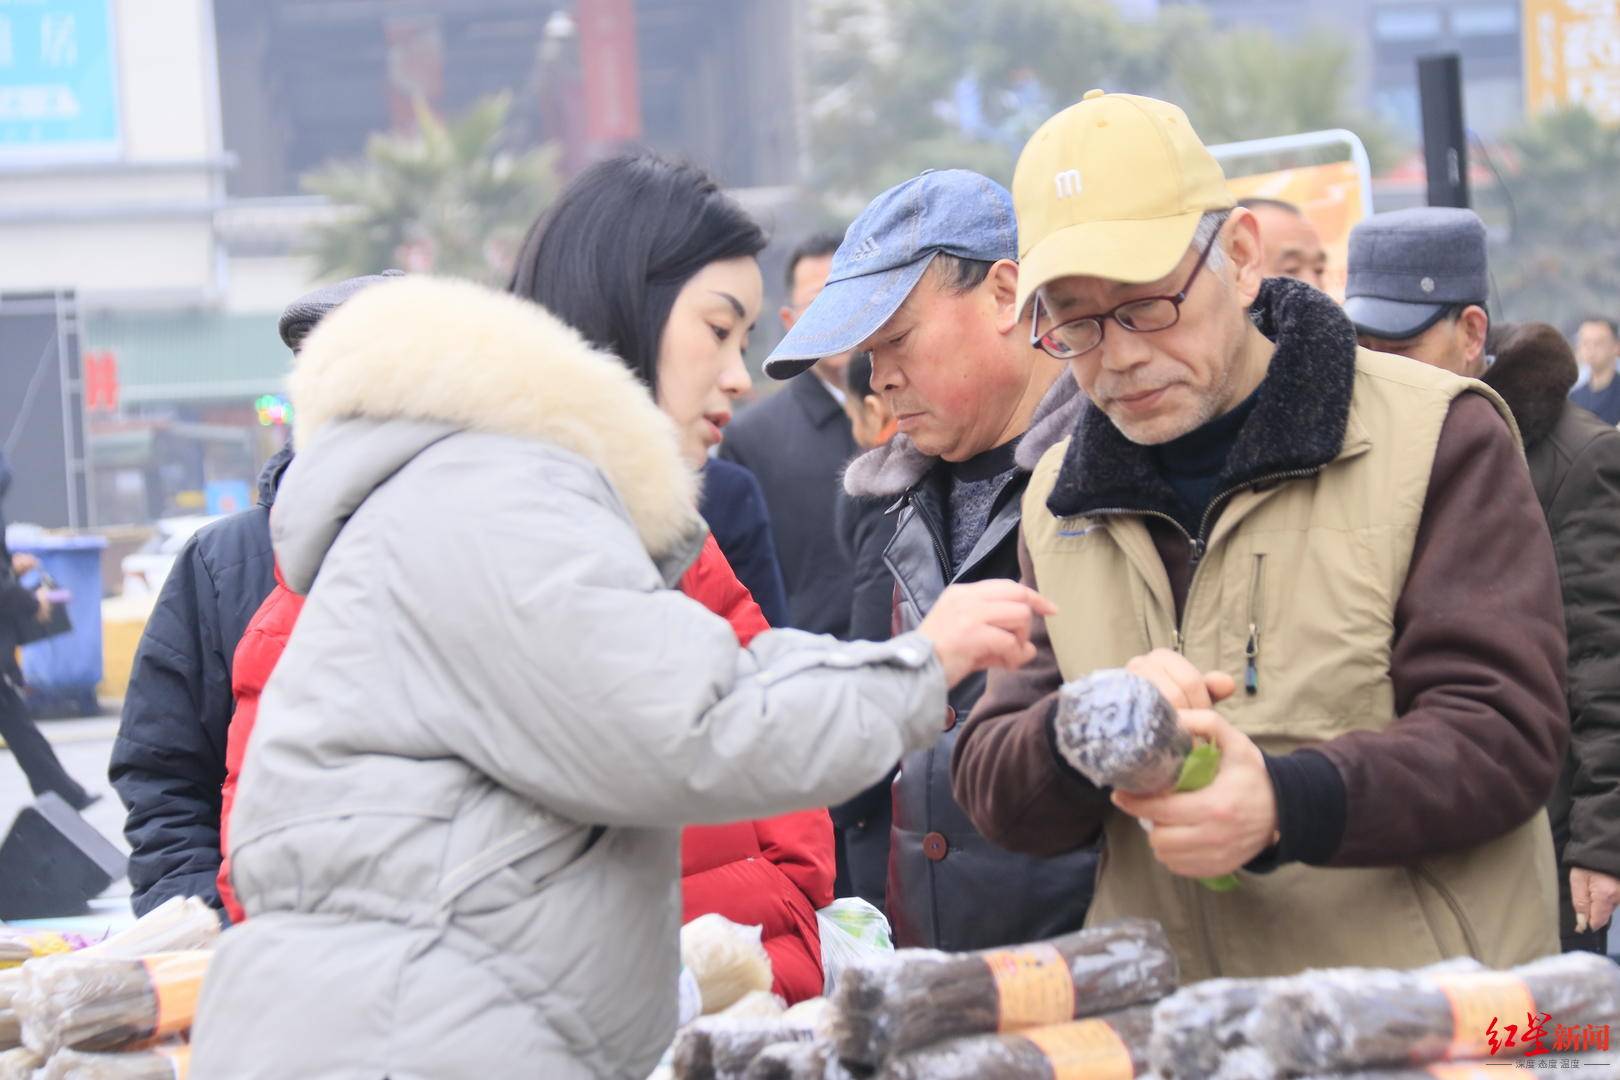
{"x":886,"y":252}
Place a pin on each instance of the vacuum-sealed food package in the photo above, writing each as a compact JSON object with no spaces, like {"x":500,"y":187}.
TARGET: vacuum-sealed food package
{"x":1112,"y":1047}
{"x":918,"y":997}
{"x":82,"y":1002}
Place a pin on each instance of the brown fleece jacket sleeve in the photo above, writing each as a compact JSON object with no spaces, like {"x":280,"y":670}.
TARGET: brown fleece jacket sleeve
{"x":1478,"y":664}
{"x":1005,"y":770}
{"x":1586,"y":512}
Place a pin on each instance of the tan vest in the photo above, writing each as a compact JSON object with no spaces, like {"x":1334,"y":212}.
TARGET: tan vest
{"x":1302,"y":578}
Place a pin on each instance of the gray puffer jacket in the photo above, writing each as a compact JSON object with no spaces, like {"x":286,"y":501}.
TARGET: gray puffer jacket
{"x":457,"y":831}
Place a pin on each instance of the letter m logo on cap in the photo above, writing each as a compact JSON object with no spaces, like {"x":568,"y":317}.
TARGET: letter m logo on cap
{"x":1068,"y":183}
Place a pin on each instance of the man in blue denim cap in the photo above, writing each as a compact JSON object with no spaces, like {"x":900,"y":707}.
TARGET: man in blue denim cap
{"x":926,"y":280}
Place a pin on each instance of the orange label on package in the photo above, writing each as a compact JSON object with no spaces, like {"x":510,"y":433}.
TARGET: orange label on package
{"x":1087,"y":1050}
{"x":176,"y":980}
{"x":1034,"y":986}
{"x":1482,"y":1003}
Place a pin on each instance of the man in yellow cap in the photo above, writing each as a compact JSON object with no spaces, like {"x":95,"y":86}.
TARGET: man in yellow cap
{"x":1330,"y":560}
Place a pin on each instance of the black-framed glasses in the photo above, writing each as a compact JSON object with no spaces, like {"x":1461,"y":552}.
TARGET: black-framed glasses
{"x":1067,"y":340}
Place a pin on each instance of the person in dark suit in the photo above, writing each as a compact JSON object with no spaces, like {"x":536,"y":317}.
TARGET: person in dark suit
{"x":796,"y":444}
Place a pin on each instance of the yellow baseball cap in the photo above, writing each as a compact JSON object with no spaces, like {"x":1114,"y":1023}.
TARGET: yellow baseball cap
{"x":1111,"y":187}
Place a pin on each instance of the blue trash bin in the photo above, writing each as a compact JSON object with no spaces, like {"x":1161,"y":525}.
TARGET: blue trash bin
{"x":64,"y":671}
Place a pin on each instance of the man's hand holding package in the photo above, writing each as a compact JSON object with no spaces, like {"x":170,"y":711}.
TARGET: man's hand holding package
{"x":1221,"y":828}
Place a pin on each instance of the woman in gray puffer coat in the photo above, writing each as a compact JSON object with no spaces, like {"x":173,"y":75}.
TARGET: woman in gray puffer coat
{"x":457,"y":831}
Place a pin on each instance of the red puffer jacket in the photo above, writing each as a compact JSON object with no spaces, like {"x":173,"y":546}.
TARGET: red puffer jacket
{"x":256,"y":656}
{"x":773,"y":873}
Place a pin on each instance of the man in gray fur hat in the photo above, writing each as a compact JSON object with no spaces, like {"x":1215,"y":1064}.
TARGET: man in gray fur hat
{"x":168,"y":762}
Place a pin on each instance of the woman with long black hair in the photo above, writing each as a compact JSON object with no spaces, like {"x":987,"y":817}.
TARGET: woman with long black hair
{"x":772,"y":873}
{"x":457,"y":831}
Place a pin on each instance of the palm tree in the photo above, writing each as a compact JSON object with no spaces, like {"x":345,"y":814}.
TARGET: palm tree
{"x":449,"y":198}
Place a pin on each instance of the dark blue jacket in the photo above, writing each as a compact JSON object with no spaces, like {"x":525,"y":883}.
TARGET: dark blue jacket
{"x":734,"y":507}
{"x":168,"y":762}
{"x":796,"y":443}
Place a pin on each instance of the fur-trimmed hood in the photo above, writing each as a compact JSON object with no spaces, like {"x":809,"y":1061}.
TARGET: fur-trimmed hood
{"x":1534,"y":372}
{"x":409,"y":362}
{"x":890,"y":470}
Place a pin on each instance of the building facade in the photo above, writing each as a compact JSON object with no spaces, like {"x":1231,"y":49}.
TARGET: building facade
{"x":152,"y":155}
{"x":1386,"y":38}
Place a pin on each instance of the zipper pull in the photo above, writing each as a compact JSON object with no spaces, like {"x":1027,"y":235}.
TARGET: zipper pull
{"x":1178,"y":641}
{"x":1198,"y":548}
{"x":1251,"y":671}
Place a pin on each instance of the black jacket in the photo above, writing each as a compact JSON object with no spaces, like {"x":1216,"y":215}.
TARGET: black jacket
{"x":734,"y":507}
{"x":796,"y":444}
{"x":168,"y":762}
{"x":1574,"y":460}
{"x":947,"y":886}
{"x":18,"y":606}
{"x":865,"y":527}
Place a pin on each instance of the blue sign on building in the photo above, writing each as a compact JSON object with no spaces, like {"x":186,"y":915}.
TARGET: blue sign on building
{"x":58,"y":81}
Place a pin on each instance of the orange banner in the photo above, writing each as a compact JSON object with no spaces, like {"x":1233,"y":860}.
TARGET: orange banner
{"x":1329,"y":195}
{"x":1572,"y":55}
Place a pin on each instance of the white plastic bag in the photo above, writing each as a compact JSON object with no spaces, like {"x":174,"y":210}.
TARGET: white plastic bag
{"x":852,"y":931}
{"x":691,"y":999}
{"x":727,"y":960}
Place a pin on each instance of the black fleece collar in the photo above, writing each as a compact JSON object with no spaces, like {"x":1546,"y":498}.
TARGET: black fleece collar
{"x":1300,"y":414}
